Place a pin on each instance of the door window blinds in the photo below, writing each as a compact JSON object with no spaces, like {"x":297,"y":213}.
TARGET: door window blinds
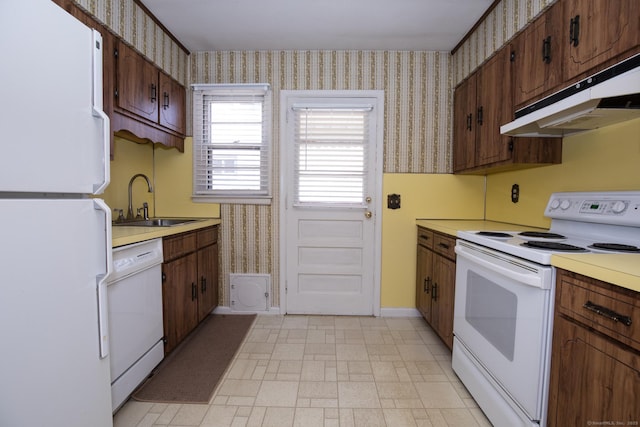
{"x":231,"y":141}
{"x":330,"y":155}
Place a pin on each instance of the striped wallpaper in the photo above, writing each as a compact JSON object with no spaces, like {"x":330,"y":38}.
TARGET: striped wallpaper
{"x":418,"y":89}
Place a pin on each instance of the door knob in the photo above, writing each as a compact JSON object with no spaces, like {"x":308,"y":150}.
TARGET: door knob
{"x":368,"y":214}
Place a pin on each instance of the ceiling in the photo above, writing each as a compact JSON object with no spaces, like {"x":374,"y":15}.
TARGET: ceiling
{"x":211,"y":25}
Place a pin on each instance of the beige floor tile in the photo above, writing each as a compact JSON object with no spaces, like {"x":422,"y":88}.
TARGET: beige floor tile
{"x":277,"y":393}
{"x":351,"y":352}
{"x":368,"y":418}
{"x":308,"y":417}
{"x":219,"y":416}
{"x":312,"y":370}
{"x":357,"y":395}
{"x":278,"y":417}
{"x":318,"y":390}
{"x":190,"y":415}
{"x":396,"y":390}
{"x":328,"y":371}
{"x":288,"y":352}
{"x":399,"y":417}
{"x":231,"y":387}
{"x":439,"y":395}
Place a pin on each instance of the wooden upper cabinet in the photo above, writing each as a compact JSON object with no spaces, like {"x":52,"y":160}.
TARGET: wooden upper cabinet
{"x":172,"y":99}
{"x":599,"y":31}
{"x":149,"y":104}
{"x":464,"y":125}
{"x":137,"y":80}
{"x":495,"y":108}
{"x":538,"y":57}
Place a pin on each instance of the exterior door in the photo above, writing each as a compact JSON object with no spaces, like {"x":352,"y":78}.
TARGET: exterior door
{"x":331,"y":169}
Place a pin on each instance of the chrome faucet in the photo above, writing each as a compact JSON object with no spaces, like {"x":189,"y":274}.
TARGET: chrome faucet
{"x":130,"y":208}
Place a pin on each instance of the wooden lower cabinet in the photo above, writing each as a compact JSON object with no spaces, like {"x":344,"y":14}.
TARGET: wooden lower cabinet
{"x":595,"y":361}
{"x":190,"y":282}
{"x":435,"y":282}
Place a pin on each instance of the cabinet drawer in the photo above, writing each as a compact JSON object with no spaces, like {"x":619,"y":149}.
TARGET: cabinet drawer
{"x":597,"y":305}
{"x":444,"y":245}
{"x":178,"y":245}
{"x":425,"y":238}
{"x":207,"y":236}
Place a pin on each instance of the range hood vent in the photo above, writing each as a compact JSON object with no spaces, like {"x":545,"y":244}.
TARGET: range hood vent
{"x":608,"y":97}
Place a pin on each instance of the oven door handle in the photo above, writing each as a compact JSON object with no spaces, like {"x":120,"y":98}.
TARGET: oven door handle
{"x":527,"y":279}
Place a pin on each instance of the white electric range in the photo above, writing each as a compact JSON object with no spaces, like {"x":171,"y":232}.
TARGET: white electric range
{"x":504,"y":297}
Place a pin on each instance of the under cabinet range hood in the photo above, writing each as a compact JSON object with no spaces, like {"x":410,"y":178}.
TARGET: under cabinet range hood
{"x":608,"y":97}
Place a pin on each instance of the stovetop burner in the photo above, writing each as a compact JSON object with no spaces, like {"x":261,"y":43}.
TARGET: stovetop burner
{"x":554,"y":246}
{"x":615,"y":247}
{"x":541,"y":235}
{"x":494,"y":234}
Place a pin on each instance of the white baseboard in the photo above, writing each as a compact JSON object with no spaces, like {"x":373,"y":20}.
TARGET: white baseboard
{"x":221,"y":309}
{"x":399,"y":312}
{"x":384,"y":312}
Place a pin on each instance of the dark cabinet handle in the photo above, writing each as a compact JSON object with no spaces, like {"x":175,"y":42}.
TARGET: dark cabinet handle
{"x":443,"y":245}
{"x":469,"y":121}
{"x":434,"y":292}
{"x":546,"y":50}
{"x":427,"y":280}
{"x":154,"y":94}
{"x":574,"y":31}
{"x":608,"y":313}
{"x":479,"y":118}
{"x":194,"y":292}
{"x":165,"y":104}
{"x":203,"y":284}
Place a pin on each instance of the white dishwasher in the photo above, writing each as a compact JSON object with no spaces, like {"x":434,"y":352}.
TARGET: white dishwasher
{"x":136,"y":333}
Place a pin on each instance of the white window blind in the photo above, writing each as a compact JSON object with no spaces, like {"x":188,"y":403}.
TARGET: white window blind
{"x":231,"y":156}
{"x":331,"y":153}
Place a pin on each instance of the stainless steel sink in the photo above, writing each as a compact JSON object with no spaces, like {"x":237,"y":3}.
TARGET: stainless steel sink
{"x":154,"y":222}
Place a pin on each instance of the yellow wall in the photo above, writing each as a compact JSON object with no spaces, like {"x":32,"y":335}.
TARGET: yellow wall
{"x":422,"y":196}
{"x":129,"y":159}
{"x":174,"y":178}
{"x":170,"y":173}
{"x":599,"y":160}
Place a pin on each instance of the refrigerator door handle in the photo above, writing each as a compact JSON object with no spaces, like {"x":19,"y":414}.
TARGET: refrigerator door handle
{"x":98,"y":111}
{"x":101,"y":280}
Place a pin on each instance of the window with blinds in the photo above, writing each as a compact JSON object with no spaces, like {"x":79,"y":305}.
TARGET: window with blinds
{"x":231,"y":158}
{"x":331,"y":153}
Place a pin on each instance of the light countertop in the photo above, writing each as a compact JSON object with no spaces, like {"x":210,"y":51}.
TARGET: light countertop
{"x":619,"y":269}
{"x":125,"y":235}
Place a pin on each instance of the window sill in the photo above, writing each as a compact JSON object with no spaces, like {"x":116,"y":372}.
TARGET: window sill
{"x":253,"y":200}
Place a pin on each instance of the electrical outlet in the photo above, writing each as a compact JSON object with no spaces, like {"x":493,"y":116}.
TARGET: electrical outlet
{"x":515,"y":193}
{"x":393,"y":201}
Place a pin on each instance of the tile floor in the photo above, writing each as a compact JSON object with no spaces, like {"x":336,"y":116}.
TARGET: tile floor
{"x":328,"y":371}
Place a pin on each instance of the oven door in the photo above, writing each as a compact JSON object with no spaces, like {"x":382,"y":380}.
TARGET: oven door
{"x":502,"y":316}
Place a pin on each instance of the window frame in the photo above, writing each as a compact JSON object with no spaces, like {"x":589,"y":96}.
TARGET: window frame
{"x":260,"y":196}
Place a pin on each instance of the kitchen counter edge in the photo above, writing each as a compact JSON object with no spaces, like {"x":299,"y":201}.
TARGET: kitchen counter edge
{"x":619,"y":269}
{"x":127,"y":235}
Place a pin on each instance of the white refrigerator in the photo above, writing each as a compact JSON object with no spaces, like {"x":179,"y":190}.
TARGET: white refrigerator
{"x":55,"y":234}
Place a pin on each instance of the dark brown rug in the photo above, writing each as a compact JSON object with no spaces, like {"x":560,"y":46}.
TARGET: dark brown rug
{"x":191,"y":372}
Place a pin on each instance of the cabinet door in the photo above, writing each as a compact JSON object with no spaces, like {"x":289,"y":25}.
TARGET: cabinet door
{"x":604,"y":30}
{"x":593,"y":379}
{"x":207,"y":280}
{"x":179,"y":299}
{"x":172,"y":107}
{"x":495,"y":108}
{"x":442,"y":295}
{"x":137,"y":84}
{"x":424,"y":281}
{"x":538,"y":57}
{"x":464,"y":130}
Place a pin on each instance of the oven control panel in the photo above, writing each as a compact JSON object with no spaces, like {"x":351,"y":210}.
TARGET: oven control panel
{"x":619,"y":207}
